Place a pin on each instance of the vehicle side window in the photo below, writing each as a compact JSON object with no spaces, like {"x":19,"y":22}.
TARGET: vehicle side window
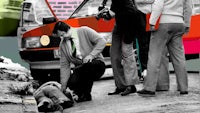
{"x":196,"y":7}
{"x":90,"y":8}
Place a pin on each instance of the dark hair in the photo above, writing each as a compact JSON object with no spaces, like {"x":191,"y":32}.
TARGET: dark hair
{"x":60,"y":26}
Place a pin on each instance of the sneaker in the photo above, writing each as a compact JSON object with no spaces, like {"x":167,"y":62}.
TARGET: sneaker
{"x":144,"y":73}
{"x":128,"y":90}
{"x":116,"y":92}
{"x":146,"y":93}
{"x":183,"y":92}
{"x":141,"y":79}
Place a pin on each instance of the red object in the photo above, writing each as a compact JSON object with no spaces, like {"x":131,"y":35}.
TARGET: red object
{"x":191,"y":40}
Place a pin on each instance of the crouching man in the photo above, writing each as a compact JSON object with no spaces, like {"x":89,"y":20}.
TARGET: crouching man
{"x":81,"y":47}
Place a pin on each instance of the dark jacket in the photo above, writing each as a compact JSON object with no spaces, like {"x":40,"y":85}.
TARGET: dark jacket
{"x":126,"y":15}
{"x":123,"y":7}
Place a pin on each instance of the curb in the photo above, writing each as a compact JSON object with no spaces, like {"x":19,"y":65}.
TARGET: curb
{"x":29,"y":104}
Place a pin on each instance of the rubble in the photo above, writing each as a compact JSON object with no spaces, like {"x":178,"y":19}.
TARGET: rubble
{"x":13,"y":71}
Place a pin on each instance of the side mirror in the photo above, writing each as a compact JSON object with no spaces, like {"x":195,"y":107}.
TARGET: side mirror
{"x":48,"y":20}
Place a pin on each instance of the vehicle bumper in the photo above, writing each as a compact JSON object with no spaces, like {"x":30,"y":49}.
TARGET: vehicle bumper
{"x":45,"y":65}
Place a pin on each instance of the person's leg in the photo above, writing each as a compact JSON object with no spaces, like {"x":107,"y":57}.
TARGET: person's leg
{"x":143,"y":42}
{"x":128,"y":58}
{"x":116,"y":57}
{"x":130,"y":68}
{"x":129,"y":64}
{"x":74,"y":82}
{"x":177,"y":56}
{"x":96,"y":70}
{"x":143,"y":37}
{"x":81,"y":81}
{"x":157,"y":46}
{"x":163,"y":78}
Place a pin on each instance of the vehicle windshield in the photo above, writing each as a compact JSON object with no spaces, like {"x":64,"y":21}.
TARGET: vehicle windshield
{"x":34,"y":13}
{"x":42,"y":11}
{"x":89,"y":8}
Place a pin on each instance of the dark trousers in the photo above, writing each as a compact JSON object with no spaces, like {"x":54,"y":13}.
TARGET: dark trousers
{"x":143,"y":41}
{"x":82,"y":78}
{"x":132,"y":27}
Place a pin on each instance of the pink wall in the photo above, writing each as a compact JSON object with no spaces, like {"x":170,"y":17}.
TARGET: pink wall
{"x":63,"y":8}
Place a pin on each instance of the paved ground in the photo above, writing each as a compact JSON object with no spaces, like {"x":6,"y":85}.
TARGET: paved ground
{"x":12,"y":103}
{"x":164,"y":102}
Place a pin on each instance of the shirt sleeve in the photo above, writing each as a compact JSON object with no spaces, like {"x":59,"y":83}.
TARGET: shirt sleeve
{"x":187,"y":7}
{"x":157,"y":8}
{"x":98,"y":41}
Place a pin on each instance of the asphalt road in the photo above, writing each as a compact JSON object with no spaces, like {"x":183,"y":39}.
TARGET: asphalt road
{"x":164,"y":102}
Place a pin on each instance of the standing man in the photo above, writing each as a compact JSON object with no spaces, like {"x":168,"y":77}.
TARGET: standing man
{"x":174,"y":22}
{"x":145,"y":7}
{"x":81,"y":47}
{"x":127,"y":28}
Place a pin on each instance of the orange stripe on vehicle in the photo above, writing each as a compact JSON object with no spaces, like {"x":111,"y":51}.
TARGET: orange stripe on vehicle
{"x":40,"y":49}
{"x":194,"y":29}
{"x":43,"y":30}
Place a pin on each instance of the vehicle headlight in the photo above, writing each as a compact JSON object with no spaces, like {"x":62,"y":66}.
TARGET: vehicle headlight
{"x":45,"y":40}
{"x":107,"y":36}
{"x":33,"y":42}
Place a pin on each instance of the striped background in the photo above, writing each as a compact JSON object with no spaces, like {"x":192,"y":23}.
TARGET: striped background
{"x":63,"y":8}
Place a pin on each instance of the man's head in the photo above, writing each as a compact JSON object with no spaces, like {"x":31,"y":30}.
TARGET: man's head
{"x":62,"y":29}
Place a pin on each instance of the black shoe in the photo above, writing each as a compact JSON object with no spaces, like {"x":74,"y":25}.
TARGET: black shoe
{"x":67,"y":104}
{"x":84,"y":97}
{"x":117,"y":91}
{"x":146,"y":93}
{"x":160,"y":90}
{"x":128,"y":90}
{"x":184,"y":92}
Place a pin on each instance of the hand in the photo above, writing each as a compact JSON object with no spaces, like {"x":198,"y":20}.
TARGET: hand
{"x":88,"y":58}
{"x":101,"y":7}
{"x":63,"y":88}
{"x":187,"y":29}
{"x":108,"y":15}
{"x":152,"y":28}
{"x":79,"y":56}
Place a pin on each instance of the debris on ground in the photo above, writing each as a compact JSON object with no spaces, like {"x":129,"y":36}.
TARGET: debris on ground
{"x":13,"y":71}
